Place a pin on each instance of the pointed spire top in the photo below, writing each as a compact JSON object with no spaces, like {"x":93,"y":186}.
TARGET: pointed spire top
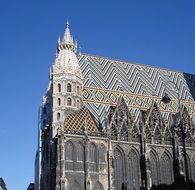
{"x":67,"y":24}
{"x":67,"y":42}
{"x":67,"y":35}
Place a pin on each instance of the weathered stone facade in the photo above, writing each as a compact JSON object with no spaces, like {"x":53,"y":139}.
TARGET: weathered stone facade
{"x":122,"y":145}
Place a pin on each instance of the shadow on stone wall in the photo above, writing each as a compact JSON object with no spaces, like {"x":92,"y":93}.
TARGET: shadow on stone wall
{"x":190,"y":81}
{"x":174,"y":186}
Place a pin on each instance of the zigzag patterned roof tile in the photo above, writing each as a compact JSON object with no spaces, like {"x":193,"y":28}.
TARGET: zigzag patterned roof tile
{"x":106,"y":79}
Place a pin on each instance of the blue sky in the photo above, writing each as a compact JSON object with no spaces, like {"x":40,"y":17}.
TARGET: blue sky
{"x":154,"y":32}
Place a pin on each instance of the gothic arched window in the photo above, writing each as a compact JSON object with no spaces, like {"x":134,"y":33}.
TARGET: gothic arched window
{"x":92,"y":153}
{"x":80,"y":157}
{"x":59,"y":101}
{"x":154,"y":169}
{"x":59,"y":87}
{"x":93,"y":157}
{"x":118,"y":169}
{"x":133,"y":171}
{"x":80,"y":152}
{"x":69,"y":151}
{"x":69,"y":87}
{"x":69,"y":101}
{"x":69,"y":155}
{"x":102,"y":152}
{"x":157,"y":136}
{"x":166,"y":169}
{"x":98,"y":186}
{"x":58,"y":116}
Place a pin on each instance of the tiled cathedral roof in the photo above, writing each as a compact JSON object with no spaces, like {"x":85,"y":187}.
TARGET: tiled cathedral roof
{"x":80,"y":122}
{"x":106,"y":79}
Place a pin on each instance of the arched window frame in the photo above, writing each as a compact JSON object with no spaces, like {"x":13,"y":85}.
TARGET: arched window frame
{"x":69,"y":101}
{"x":133,"y":169}
{"x":69,"y":151}
{"x":118,"y":168}
{"x":98,"y":186}
{"x":80,"y":152}
{"x":102,"y":153}
{"x":59,"y":87}
{"x":154,"y":168}
{"x":58,"y":116}
{"x":93,"y":153}
{"x":69,"y":156}
{"x":93,"y":157}
{"x":69,"y":87}
{"x":166,"y":168}
{"x":59,"y":101}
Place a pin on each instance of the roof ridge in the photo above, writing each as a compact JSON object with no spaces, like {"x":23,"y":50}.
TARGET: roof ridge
{"x":135,"y":63}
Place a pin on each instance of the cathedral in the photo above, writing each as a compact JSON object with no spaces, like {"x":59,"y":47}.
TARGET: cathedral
{"x":107,"y":124}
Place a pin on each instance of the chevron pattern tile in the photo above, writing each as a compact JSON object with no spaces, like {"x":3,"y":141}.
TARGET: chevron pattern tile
{"x":106,"y":79}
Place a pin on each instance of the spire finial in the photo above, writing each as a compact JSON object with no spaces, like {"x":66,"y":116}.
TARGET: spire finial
{"x":67,"y":24}
{"x":67,"y":34}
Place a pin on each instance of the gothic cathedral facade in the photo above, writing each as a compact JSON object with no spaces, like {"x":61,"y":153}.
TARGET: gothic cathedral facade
{"x":102,"y":124}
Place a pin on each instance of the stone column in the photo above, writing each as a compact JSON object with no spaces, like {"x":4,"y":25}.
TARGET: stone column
{"x":86,"y":160}
{"x":60,"y":170}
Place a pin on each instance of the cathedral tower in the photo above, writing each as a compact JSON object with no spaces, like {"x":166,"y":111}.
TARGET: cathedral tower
{"x":66,"y":80}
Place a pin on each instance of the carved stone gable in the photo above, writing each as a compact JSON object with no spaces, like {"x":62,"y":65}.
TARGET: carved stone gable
{"x":121,"y":121}
{"x":152,"y":117}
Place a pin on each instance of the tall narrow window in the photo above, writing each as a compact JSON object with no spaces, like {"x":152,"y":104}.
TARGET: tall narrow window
{"x":93,"y":157}
{"x":166,"y":169}
{"x":102,"y":152}
{"x":69,"y":155}
{"x":58,"y":116}
{"x":69,"y":151}
{"x":69,"y":101}
{"x":154,"y":169}
{"x":69,"y":87}
{"x":79,"y":157}
{"x":133,"y":170}
{"x":118,"y":170}
{"x":80,"y":152}
{"x":59,"y":101}
{"x":59,"y":87}
{"x":77,"y":89}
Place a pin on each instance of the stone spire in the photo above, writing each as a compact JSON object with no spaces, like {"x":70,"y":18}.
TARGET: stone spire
{"x":67,"y":80}
{"x":67,"y":35}
{"x":66,"y":58}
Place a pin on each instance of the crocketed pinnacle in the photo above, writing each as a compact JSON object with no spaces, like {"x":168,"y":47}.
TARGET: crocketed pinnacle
{"x":67,"y":35}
